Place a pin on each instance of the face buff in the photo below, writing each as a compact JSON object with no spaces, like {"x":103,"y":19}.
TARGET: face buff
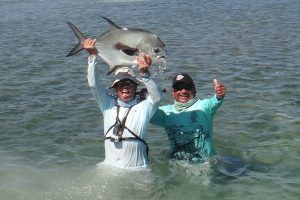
{"x":182,"y":106}
{"x":129,"y":104}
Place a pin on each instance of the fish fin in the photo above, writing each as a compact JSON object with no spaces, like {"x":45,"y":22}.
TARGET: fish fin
{"x":127,"y":50}
{"x":112,"y":69}
{"x":80,"y":38}
{"x":75,"y":50}
{"x":113,"y":24}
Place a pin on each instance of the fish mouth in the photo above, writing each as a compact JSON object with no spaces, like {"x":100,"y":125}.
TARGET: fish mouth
{"x":161,"y":58}
{"x":162,"y":64}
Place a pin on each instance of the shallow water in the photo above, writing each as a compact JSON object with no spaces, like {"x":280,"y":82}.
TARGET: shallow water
{"x":51,"y":136}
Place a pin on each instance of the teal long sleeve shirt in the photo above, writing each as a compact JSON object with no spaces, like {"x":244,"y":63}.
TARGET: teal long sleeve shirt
{"x":189,"y":130}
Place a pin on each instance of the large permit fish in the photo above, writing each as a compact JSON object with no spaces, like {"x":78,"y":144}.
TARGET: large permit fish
{"x":119,"y":46}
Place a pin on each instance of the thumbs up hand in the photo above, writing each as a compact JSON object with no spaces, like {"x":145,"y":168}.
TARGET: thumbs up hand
{"x":220,"y":89}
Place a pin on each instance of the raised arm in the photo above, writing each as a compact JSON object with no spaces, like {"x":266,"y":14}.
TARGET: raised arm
{"x":152,"y":87}
{"x":100,"y":93}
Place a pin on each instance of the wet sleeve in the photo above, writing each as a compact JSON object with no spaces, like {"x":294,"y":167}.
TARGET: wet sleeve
{"x":158,"y":118}
{"x":213,"y":104}
{"x":101,"y":95}
{"x":153,"y":90}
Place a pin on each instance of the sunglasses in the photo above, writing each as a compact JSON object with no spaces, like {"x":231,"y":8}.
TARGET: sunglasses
{"x":125,"y":83}
{"x":180,"y":87}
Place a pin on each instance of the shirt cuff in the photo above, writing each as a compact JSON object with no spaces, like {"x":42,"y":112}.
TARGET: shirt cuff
{"x":218,"y":99}
{"x":91,"y":59}
{"x":145,"y":79}
{"x":145,"y":75}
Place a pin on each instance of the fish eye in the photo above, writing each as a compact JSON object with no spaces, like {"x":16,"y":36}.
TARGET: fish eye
{"x":156,"y":50}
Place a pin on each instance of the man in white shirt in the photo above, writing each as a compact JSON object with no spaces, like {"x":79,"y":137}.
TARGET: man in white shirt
{"x":126,"y":116}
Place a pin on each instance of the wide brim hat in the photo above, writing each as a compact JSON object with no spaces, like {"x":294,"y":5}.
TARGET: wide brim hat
{"x":124,"y":73}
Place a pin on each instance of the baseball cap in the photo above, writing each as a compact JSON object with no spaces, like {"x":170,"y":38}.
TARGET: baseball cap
{"x":124,"y":73}
{"x":183,"y":79}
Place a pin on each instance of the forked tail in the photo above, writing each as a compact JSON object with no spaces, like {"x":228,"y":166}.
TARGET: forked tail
{"x":80,"y":37}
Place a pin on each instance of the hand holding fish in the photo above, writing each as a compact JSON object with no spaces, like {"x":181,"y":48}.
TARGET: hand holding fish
{"x":144,"y":62}
{"x":220,"y":89}
{"x":89,"y":45}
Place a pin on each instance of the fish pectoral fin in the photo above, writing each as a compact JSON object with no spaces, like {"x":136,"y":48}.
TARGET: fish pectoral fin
{"x":127,"y":49}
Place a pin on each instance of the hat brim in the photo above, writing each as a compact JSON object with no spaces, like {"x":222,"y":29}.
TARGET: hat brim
{"x":122,"y":76}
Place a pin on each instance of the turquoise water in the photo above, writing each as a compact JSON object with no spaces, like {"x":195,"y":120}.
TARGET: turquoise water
{"x":51,"y":136}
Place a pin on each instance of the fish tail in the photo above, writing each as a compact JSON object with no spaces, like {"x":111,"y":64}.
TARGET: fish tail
{"x":80,"y":38}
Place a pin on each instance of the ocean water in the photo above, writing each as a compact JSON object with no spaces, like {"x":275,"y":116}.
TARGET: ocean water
{"x":51,"y":136}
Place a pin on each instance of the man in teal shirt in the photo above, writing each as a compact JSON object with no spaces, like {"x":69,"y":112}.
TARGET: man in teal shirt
{"x":188,"y":122}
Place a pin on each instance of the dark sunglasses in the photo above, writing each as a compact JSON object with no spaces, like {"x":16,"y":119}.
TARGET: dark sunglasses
{"x":180,"y":87}
{"x":125,"y":83}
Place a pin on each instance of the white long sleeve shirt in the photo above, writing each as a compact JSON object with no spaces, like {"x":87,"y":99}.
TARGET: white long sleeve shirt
{"x":130,"y":153}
